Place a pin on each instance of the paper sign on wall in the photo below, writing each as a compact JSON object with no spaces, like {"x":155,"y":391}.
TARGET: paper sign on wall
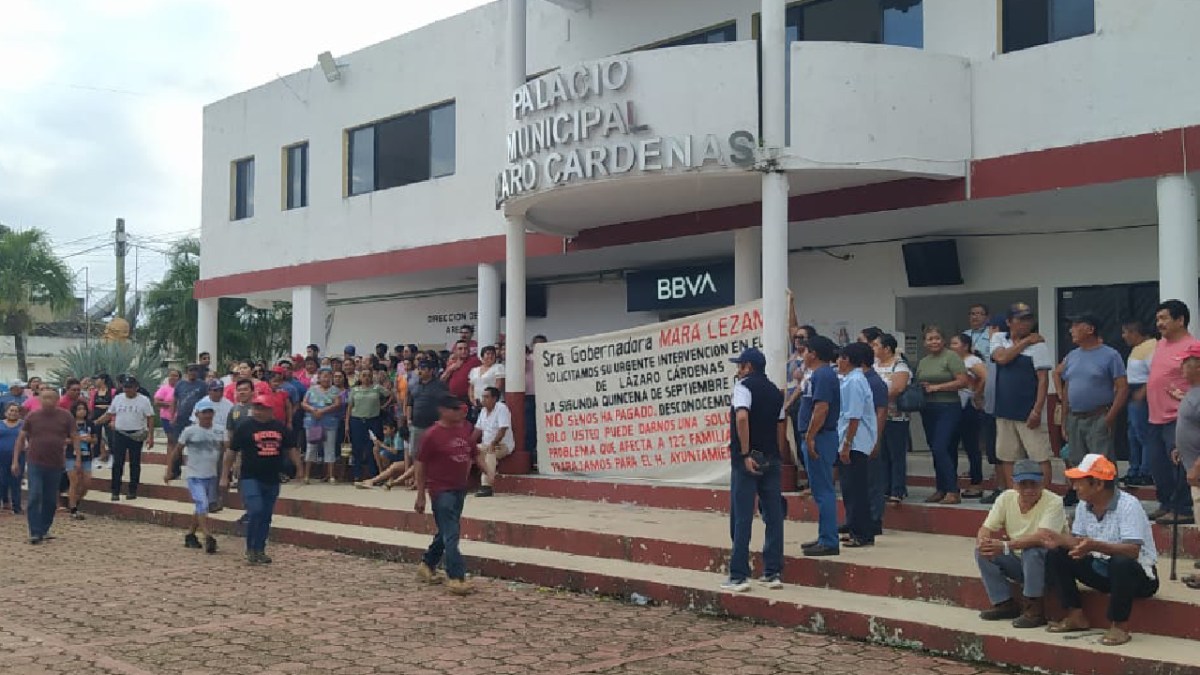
{"x":650,"y":402}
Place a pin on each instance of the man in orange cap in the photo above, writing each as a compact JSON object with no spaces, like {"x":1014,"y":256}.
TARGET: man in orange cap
{"x":1110,"y":548}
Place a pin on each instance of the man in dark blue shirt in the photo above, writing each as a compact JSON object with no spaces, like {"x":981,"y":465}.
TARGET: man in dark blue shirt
{"x":756,"y":434}
{"x":816,"y":424}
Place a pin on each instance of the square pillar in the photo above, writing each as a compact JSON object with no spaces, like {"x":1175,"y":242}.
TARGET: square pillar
{"x":1178,"y":268}
{"x":308,"y":317}
{"x":488,"y":299}
{"x":206,"y":326}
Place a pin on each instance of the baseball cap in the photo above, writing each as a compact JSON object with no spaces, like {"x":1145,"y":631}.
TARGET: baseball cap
{"x":278,"y":370}
{"x":19,"y":383}
{"x":751,"y":355}
{"x":129,"y":381}
{"x":1094,"y":466}
{"x":193,"y":366}
{"x":1020,"y":310}
{"x":349,"y":350}
{"x":425,"y":364}
{"x":1085,"y":317}
{"x":205,"y":405}
{"x":262,"y":399}
{"x":1027,"y":469}
{"x":216,"y":385}
{"x":997,"y":321}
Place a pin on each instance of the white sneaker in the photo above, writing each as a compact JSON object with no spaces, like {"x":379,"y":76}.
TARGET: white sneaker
{"x":772,"y":582}
{"x":735,"y":585}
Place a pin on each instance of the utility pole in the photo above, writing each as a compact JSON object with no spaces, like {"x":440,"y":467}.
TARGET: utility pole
{"x":119,"y":239}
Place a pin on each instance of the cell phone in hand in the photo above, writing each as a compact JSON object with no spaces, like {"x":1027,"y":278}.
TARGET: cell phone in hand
{"x":372,"y":435}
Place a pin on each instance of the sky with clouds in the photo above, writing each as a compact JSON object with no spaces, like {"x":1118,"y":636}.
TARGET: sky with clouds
{"x":101,"y":100}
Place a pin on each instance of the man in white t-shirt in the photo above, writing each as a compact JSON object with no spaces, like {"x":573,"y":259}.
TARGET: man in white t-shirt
{"x":493,"y":433}
{"x":221,"y":406}
{"x":131,"y":417}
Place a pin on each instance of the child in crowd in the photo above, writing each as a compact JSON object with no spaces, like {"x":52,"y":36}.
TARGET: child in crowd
{"x":78,"y":477}
{"x":390,"y":448}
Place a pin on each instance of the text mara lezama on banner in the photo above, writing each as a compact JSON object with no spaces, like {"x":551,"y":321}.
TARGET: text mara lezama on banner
{"x":648,"y":402}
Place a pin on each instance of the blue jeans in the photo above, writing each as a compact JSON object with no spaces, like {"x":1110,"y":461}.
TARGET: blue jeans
{"x":968,"y":438}
{"x":1027,"y":569}
{"x":744,"y":487}
{"x":43,"y":498}
{"x":1139,"y":426}
{"x":447,"y":511}
{"x":894,"y":453}
{"x":820,"y":481}
{"x":10,"y":485}
{"x":259,"y":499}
{"x":876,"y":490}
{"x":1159,"y":442}
{"x":987,"y":435}
{"x":361,"y":446}
{"x":940,"y":421}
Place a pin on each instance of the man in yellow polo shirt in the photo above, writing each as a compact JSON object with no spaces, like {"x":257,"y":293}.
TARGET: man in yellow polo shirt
{"x":1009,"y":547}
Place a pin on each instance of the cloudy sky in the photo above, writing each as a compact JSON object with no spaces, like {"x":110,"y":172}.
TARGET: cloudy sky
{"x":100,"y":105}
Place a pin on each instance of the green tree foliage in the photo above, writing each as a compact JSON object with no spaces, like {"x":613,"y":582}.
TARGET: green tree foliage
{"x":30,"y":274}
{"x":242,"y":331}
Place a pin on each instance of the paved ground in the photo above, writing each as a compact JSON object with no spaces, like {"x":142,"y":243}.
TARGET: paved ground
{"x":115,"y":597}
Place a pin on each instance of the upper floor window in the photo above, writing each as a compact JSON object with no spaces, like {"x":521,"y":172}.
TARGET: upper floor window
{"x":410,"y":148}
{"x":890,"y":22}
{"x":242,"y":197}
{"x":724,"y":33}
{"x":296,"y":176}
{"x":1029,"y":23}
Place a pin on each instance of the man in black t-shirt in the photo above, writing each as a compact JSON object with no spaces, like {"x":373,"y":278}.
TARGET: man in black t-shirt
{"x":261,"y":442}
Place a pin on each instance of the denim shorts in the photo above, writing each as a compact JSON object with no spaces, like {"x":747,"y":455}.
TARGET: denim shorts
{"x":392,"y":455}
{"x":87,"y":464}
{"x":201,"y":490}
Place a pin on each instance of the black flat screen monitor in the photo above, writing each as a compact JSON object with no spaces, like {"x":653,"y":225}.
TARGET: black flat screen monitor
{"x":932,"y":263}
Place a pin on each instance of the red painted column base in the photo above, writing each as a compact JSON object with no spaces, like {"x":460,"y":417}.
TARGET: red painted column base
{"x":519,"y":461}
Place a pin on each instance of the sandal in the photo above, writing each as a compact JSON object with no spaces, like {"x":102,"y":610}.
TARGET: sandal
{"x":854,"y":542}
{"x":1115,"y":636}
{"x":935,"y":498}
{"x":1066,"y":627}
{"x":895,"y":500}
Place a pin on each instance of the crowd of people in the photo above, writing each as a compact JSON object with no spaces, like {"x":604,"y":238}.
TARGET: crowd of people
{"x":341,"y":418}
{"x":983,"y":391}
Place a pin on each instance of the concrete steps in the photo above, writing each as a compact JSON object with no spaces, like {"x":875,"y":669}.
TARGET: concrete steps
{"x":913,"y":588}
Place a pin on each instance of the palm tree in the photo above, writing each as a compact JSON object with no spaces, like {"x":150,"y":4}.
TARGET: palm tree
{"x":30,"y":274}
{"x":242,"y":331}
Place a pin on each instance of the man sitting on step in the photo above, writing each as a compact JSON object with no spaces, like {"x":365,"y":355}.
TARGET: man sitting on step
{"x":1110,"y":548}
{"x":1025,"y":514}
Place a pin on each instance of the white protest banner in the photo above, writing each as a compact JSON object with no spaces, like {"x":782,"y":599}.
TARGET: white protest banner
{"x":650,"y":402}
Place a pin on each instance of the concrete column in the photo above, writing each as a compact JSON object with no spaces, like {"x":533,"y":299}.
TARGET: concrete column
{"x":747,"y":264}
{"x":1177,"y":241}
{"x":206,"y":327}
{"x":488,"y":297}
{"x":308,"y":317}
{"x":518,"y":462}
{"x":774,"y":191}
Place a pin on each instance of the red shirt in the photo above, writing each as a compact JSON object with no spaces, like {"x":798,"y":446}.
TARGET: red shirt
{"x":47,"y":433}
{"x":279,"y":401}
{"x":459,"y":382}
{"x":447,"y":453}
{"x":66,"y":403}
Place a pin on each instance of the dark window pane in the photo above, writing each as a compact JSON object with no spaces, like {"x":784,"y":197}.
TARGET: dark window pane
{"x":362,"y":160}
{"x":725,"y":33}
{"x":1025,"y":24}
{"x":297,"y":176}
{"x":843,"y":21}
{"x":243,"y":187}
{"x":1072,"y":18}
{"x":402,"y":150}
{"x":442,"y":140}
{"x":903,"y":23}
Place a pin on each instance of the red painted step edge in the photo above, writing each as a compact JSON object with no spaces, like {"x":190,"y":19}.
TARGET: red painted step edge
{"x":958,"y":643}
{"x":1155,"y":616}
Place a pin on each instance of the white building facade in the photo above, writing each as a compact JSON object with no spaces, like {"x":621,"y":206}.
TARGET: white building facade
{"x":628,"y":161}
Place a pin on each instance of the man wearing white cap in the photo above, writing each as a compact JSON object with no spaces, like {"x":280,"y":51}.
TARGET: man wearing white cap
{"x":15,"y":394}
{"x":1110,"y":548}
{"x":1023,"y":515}
{"x":203,"y":443}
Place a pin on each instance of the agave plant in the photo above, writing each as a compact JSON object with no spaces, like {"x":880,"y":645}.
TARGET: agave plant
{"x":113,"y":358}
